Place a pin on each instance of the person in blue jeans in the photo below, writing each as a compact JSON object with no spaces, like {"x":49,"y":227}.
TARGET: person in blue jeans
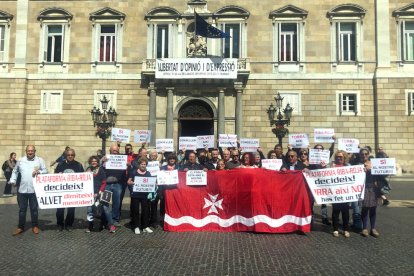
{"x":114,"y":180}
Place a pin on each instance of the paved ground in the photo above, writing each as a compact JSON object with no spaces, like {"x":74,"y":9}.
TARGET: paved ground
{"x":162,"y":253}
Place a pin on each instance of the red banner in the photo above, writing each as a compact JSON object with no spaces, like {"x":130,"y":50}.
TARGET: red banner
{"x":256,"y":200}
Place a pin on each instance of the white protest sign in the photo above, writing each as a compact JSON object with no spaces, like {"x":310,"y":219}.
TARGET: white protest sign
{"x":196,"y":177}
{"x":196,"y":68}
{"x":205,"y":141}
{"x":336,"y":185}
{"x":142,"y":136}
{"x":153,"y":167}
{"x":144,"y":184}
{"x":349,"y":145}
{"x":383,"y":166}
{"x":249,"y":145}
{"x":116,"y":162}
{"x":167,"y":177}
{"x":187,"y":143}
{"x":299,"y":141}
{"x":272,"y":164}
{"x":323,"y":135}
{"x":227,"y":140}
{"x":164,"y":145}
{"x":317,"y":156}
{"x":120,"y":135}
{"x":64,"y":190}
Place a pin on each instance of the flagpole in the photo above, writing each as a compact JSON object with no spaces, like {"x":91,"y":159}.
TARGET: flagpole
{"x":195,"y":27}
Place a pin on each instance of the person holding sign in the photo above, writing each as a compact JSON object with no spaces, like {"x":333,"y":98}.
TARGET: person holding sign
{"x":234,"y":162}
{"x":69,"y":165}
{"x":99,"y":184}
{"x":171,"y":165}
{"x":303,"y":156}
{"x":28,"y":167}
{"x":341,"y":159}
{"x":369,"y":204}
{"x":114,"y":180}
{"x":192,"y":164}
{"x":212,"y":163}
{"x":292,"y":164}
{"x":140,"y":199}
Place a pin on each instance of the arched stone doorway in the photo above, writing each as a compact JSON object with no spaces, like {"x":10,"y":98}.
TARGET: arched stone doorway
{"x":195,"y":118}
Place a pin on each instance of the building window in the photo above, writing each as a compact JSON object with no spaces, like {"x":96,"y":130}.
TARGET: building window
{"x":346,"y":41}
{"x":111,"y":96}
{"x":408,"y":40}
{"x":51,"y":102}
{"x":294,"y":99}
{"x":288,"y":42}
{"x":162,"y":32}
{"x":107,"y":29}
{"x":288,"y":38}
{"x":5,"y":19}
{"x":405,"y":34}
{"x":2,"y":42}
{"x":162,"y":41}
{"x":346,"y":37}
{"x":231,"y":45}
{"x":348,"y":103}
{"x":54,"y":40}
{"x":54,"y":43}
{"x":233,"y":21}
{"x":107,"y":43}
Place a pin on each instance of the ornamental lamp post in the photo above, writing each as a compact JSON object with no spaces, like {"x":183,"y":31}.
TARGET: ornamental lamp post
{"x":281,"y":119}
{"x":103,"y":120}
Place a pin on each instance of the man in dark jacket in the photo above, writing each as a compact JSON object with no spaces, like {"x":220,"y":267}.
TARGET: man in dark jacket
{"x":69,"y":165}
{"x":292,"y":164}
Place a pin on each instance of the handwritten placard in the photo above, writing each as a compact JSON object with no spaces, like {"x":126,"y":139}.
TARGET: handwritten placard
{"x":164,"y":145}
{"x":187,"y":143}
{"x":196,"y":177}
{"x":272,"y":164}
{"x":144,"y":184}
{"x":227,"y":140}
{"x":348,"y":144}
{"x":249,"y":145}
{"x":120,"y":135}
{"x":299,"y":141}
{"x":383,"y":166}
{"x":116,"y":162}
{"x":205,"y":141}
{"x":317,"y":156}
{"x":323,"y":135}
{"x":153,"y":167}
{"x":167,"y":177}
{"x":142,"y":136}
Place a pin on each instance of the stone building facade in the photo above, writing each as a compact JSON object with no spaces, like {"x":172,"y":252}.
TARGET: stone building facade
{"x":347,"y":65}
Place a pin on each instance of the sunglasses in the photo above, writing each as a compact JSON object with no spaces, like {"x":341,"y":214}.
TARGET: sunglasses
{"x":292,"y":155}
{"x":303,"y":153}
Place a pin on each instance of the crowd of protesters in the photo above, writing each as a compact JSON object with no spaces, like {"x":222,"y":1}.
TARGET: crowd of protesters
{"x":144,"y":212}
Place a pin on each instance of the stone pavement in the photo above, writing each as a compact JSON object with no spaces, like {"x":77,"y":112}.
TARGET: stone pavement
{"x":208,"y":253}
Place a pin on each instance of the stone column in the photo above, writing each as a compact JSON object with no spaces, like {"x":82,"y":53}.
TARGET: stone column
{"x":20,"y":53}
{"x":221,"y":108}
{"x":239,"y":111}
{"x":170,"y":115}
{"x":152,"y":114}
{"x":382,"y":26}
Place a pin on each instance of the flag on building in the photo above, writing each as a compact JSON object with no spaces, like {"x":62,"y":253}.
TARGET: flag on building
{"x":207,"y":30}
{"x":256,"y":200}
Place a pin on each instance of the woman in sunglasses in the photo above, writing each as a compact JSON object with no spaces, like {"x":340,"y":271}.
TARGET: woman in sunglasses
{"x":369,"y":204}
{"x":341,"y":159}
{"x":304,"y":157}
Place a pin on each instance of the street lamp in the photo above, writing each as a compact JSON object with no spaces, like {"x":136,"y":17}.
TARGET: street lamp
{"x":103,"y":120}
{"x":281,"y":119}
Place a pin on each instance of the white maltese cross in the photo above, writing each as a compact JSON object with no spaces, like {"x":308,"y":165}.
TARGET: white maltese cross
{"x":213,"y":204}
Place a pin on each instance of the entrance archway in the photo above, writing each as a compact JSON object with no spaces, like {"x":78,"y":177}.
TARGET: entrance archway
{"x":195,"y":118}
